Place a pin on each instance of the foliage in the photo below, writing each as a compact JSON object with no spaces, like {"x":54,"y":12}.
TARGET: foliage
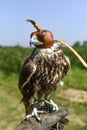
{"x":77,"y":78}
{"x":76,"y":44}
{"x":12,"y":58}
{"x":85,"y":43}
{"x":74,"y":60}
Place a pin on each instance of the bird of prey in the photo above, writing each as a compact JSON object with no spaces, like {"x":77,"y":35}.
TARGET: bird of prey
{"x":43,"y":70}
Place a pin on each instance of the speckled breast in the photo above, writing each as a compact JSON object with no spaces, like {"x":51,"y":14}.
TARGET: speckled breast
{"x":51,"y":67}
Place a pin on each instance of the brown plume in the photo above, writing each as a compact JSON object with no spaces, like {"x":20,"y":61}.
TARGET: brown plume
{"x":35,"y":24}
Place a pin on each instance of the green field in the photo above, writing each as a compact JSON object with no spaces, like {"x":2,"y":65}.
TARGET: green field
{"x":12,"y":111}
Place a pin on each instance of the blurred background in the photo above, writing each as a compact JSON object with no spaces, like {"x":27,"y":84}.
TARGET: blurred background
{"x":67,"y":20}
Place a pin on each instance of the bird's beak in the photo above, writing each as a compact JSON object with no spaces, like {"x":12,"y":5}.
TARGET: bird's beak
{"x":78,"y":56}
{"x":34,"y":41}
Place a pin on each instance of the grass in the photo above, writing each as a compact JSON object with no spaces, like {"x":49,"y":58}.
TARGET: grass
{"x":12,"y":111}
{"x":77,"y":78}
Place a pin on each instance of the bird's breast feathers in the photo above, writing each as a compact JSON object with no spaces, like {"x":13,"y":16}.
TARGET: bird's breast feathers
{"x":51,"y":64}
{"x":44,"y":70}
{"x":49,"y":52}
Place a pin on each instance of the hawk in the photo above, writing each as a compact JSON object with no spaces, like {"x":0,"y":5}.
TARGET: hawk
{"x":42,"y":72}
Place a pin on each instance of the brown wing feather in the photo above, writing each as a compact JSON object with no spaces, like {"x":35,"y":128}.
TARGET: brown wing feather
{"x":27,"y":71}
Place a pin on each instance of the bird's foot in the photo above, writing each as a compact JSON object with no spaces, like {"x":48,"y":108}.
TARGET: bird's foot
{"x":35,"y":113}
{"x":51,"y":103}
{"x":48,"y":104}
{"x":55,"y":106}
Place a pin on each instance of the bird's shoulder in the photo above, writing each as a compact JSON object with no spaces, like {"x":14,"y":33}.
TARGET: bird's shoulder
{"x":27,"y":70}
{"x":29,"y":66}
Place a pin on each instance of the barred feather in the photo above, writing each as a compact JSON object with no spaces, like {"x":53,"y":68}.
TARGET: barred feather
{"x":42,"y":72}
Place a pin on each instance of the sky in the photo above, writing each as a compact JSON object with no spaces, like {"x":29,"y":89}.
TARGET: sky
{"x":66,"y":19}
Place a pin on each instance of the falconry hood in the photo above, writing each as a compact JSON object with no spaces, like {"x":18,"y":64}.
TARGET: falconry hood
{"x":41,"y":38}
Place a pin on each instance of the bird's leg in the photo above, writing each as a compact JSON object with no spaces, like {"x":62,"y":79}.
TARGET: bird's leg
{"x":48,"y":103}
{"x":35,"y":112}
{"x":55,"y":106}
{"x":51,"y":103}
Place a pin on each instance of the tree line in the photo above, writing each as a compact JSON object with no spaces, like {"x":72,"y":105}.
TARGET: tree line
{"x":12,"y":58}
{"x":78,"y":43}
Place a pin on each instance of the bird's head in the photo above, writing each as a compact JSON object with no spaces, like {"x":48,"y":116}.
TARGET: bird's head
{"x":41,"y":38}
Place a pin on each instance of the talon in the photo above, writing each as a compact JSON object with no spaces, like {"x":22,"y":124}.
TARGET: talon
{"x":28,"y":116}
{"x":35,"y":114}
{"x":51,"y":104}
{"x":55,"y":106}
